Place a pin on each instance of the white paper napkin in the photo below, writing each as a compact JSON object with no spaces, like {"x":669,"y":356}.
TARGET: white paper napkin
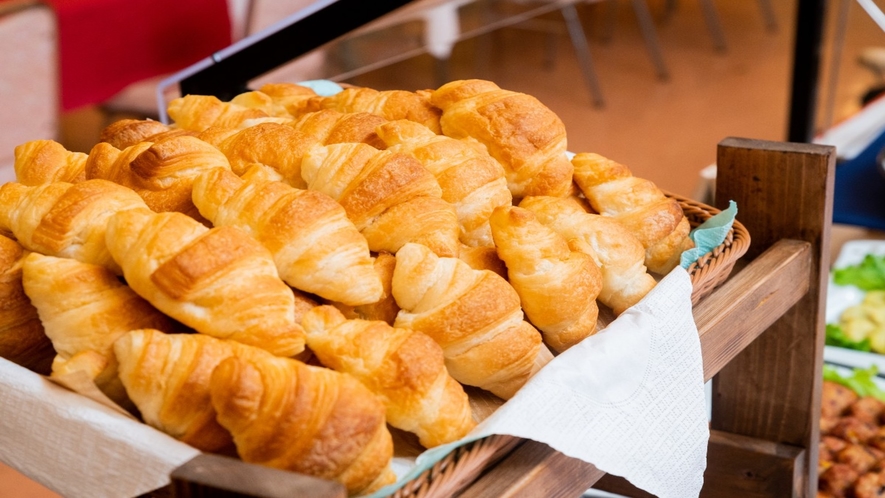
{"x":630,"y":399}
{"x":76,"y":446}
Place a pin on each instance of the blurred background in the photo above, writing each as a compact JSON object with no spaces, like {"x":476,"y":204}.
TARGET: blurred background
{"x":653,"y":84}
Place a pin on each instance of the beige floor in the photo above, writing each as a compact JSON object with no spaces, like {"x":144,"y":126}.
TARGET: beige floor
{"x":665,"y":131}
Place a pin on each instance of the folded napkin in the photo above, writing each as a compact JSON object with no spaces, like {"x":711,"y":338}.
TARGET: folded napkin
{"x":710,"y":234}
{"x":630,"y":400}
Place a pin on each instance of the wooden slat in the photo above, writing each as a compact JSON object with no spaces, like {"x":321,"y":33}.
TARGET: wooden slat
{"x":534,"y":469}
{"x":738,"y":467}
{"x":771,"y":390}
{"x":223,"y":477}
{"x":735,"y":314}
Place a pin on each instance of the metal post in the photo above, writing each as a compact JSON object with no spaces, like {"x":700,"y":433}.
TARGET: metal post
{"x":806,"y":69}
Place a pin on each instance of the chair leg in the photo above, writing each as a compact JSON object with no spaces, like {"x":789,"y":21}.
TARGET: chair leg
{"x":768,"y":15}
{"x":713,"y":24}
{"x":579,"y":40}
{"x":651,"y":38}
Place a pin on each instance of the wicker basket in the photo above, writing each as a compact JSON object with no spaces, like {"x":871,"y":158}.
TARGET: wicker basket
{"x":713,"y":268}
{"x":460,"y":467}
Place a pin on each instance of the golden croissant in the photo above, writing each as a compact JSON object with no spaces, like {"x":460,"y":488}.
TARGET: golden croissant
{"x":22,"y":339}
{"x":272,"y":146}
{"x":333,"y":127}
{"x":162,"y":173}
{"x":469,"y":177}
{"x":315,"y":246}
{"x":311,"y":420}
{"x":84,"y":308}
{"x":526,"y":137}
{"x":219,"y":281}
{"x":128,"y":132}
{"x":65,"y":220}
{"x":557,"y":283}
{"x":167,"y":376}
{"x":618,"y":253}
{"x":655,"y":219}
{"x":474,"y":315}
{"x":390,"y":197}
{"x":405,"y":368}
{"x":389,"y":104}
{"x":385,"y":308}
{"x":46,"y":161}
{"x":199,"y":112}
{"x":296,"y":99}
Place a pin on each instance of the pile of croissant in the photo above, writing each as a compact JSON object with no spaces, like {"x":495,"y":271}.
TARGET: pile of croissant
{"x":281,"y":276}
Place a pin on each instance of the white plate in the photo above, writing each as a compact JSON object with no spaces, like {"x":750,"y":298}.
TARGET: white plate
{"x":841,"y":297}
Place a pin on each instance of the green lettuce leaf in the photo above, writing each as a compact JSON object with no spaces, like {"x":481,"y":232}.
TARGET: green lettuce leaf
{"x":836,"y":337}
{"x":860,"y":380}
{"x":868,"y":275}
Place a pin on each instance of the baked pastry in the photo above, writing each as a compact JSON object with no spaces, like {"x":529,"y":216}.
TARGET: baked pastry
{"x":128,"y":132}
{"x":219,"y":281}
{"x":168,"y":376}
{"x":162,"y":173}
{"x":389,"y":104}
{"x":389,"y":197}
{"x":22,"y":340}
{"x":65,"y":220}
{"x":274,"y":147}
{"x":655,"y":219}
{"x":199,"y":112}
{"x":526,"y":137}
{"x":385,"y":308}
{"x":46,"y":161}
{"x":84,"y":308}
{"x":315,"y":246}
{"x":311,"y":420}
{"x":296,"y":99}
{"x":403,"y":367}
{"x":557,"y":283}
{"x":483,"y":258}
{"x":333,"y":127}
{"x":471,"y":180}
{"x":474,"y":315}
{"x":618,"y":253}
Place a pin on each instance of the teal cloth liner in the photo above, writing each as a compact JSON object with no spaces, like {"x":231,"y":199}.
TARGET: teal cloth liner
{"x":323,"y":88}
{"x":709,"y":234}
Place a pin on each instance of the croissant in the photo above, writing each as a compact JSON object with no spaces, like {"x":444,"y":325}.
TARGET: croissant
{"x":276,"y":147}
{"x":526,"y":137}
{"x":168,"y":376}
{"x":557,"y":283}
{"x":389,"y":197}
{"x":128,"y":132}
{"x":84,"y":308}
{"x":218,"y":281}
{"x":315,"y":246}
{"x":389,"y":104}
{"x":296,"y":99}
{"x":198,"y":112}
{"x":46,"y":161}
{"x":65,"y":220}
{"x":261,"y":101}
{"x":471,"y":180}
{"x":311,"y":420}
{"x":656,"y":220}
{"x":483,"y":258}
{"x":403,"y":367}
{"x":474,"y":315}
{"x":618,"y":253}
{"x":162,"y":173}
{"x":22,"y":339}
{"x":385,"y":308}
{"x":333,"y":127}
